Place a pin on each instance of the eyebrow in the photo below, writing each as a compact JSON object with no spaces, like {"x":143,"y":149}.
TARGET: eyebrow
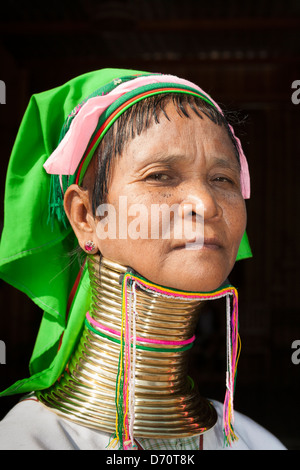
{"x":227,"y":163}
{"x":174,"y":158}
{"x":167,"y":159}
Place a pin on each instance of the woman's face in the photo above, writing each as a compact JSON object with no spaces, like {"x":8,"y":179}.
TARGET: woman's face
{"x":188,"y":165}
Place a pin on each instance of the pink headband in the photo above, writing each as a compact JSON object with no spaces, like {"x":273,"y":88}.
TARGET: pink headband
{"x":67,"y":156}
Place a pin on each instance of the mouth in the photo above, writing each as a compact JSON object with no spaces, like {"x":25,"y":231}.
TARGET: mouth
{"x":212,"y":243}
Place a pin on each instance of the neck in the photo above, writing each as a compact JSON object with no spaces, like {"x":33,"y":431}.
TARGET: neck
{"x":162,"y":399}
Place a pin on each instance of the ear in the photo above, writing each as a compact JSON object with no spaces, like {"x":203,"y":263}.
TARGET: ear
{"x":79,"y":212}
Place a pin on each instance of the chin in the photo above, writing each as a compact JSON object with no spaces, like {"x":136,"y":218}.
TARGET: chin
{"x":190,"y":280}
{"x":196,"y":275}
{"x":194,"y":272}
{"x":202,"y":284}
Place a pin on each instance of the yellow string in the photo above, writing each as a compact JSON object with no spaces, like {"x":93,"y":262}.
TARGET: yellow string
{"x":239,"y":347}
{"x":116,"y":440}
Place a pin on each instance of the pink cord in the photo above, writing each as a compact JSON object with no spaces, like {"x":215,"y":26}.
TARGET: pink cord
{"x":140,"y":339}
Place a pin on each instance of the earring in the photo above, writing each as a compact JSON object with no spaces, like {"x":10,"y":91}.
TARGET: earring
{"x":89,"y":246}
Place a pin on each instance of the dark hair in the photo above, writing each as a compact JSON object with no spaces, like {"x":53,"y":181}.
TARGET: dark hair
{"x":134,"y":121}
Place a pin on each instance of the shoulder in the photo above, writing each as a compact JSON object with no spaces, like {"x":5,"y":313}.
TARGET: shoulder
{"x":251,"y":435}
{"x":31,"y":426}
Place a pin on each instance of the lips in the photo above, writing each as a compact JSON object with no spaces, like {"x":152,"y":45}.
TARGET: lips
{"x":210,"y":243}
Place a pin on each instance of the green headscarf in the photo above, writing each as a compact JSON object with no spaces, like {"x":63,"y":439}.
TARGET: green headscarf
{"x":34,"y":257}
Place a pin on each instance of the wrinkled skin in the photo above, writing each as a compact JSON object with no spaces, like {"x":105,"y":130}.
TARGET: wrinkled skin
{"x":189,"y":162}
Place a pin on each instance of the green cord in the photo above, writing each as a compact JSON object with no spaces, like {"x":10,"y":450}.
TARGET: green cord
{"x":145,"y":348}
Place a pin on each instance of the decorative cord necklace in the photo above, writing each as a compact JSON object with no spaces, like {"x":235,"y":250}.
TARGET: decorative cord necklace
{"x":97,"y":328}
{"x":126,"y":377}
{"x":128,"y":374}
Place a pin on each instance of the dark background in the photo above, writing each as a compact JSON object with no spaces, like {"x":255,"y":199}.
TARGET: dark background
{"x":246,"y":55}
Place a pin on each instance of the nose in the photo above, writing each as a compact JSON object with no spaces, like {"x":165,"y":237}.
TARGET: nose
{"x":191,"y":212}
{"x":198,"y":208}
{"x":200,"y":204}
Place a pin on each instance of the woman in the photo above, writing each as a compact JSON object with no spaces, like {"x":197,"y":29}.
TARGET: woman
{"x":150,"y":181}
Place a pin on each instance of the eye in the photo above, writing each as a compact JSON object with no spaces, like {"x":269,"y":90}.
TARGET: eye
{"x":223,"y":179}
{"x":158,"y":177}
{"x":162,"y":177}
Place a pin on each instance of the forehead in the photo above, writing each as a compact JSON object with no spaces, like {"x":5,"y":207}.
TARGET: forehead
{"x":176,"y":136}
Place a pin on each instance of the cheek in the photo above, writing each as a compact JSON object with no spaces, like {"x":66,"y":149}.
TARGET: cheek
{"x":236,"y":219}
{"x":139,"y":254}
{"x":139,"y":212}
{"x":129,"y":233}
